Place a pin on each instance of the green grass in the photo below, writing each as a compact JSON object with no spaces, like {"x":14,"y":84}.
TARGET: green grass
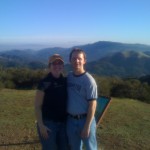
{"x":17,"y":121}
{"x":125,"y":126}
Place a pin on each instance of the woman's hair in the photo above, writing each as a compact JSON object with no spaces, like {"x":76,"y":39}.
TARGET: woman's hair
{"x":78,"y":50}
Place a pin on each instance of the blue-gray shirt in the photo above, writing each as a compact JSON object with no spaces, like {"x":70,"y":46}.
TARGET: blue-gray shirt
{"x":81,"y":90}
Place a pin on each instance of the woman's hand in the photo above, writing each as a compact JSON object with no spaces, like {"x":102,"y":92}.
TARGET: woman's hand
{"x":44,"y":131}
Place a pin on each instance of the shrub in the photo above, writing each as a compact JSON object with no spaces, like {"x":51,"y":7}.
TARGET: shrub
{"x":1,"y":85}
{"x":9,"y":84}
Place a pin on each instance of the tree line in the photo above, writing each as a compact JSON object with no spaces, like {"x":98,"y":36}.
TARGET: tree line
{"x":26,"y":78}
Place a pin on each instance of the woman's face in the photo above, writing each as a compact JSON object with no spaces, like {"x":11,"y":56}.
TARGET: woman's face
{"x":56,"y":67}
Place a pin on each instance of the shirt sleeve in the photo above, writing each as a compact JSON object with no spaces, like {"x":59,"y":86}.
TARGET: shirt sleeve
{"x":91,"y":90}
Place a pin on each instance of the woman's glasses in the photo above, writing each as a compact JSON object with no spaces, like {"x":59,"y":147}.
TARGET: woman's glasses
{"x":57,"y":63}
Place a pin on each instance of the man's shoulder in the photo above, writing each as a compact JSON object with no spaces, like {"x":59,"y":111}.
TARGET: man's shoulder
{"x":88,"y":75}
{"x":89,"y":78}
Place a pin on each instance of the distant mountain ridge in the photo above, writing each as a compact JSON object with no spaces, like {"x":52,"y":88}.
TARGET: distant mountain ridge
{"x":103,"y":57}
{"x":94,"y":51}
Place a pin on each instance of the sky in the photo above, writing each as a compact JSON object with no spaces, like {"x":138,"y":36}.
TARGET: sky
{"x":68,"y":23}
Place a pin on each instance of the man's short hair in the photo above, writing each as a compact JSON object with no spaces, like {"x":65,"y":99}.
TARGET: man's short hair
{"x":78,"y":50}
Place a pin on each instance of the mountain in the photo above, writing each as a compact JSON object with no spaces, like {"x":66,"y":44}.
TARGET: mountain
{"x":94,"y":51}
{"x":102,"y":48}
{"x":124,"y":64}
{"x":103,"y":57}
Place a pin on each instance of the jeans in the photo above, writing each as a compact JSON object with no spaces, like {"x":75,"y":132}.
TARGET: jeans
{"x":57,"y":138}
{"x":74,"y":128}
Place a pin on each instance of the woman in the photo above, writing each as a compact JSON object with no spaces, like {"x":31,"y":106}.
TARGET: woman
{"x":50,"y":106}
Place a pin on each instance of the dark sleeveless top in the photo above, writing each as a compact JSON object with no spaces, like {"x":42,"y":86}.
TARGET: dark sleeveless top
{"x":55,"y":98}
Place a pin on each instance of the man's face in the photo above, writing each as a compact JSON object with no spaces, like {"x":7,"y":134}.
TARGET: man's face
{"x":77,"y":60}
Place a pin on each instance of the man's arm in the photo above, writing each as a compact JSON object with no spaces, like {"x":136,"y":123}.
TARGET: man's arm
{"x":90,"y":115}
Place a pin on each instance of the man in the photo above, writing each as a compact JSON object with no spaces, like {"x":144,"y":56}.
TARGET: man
{"x":82,"y":95}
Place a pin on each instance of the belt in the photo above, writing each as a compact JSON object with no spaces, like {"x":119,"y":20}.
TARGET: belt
{"x":80,"y":116}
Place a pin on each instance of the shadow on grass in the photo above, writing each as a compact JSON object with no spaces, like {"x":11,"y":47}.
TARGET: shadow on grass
{"x":21,"y":143}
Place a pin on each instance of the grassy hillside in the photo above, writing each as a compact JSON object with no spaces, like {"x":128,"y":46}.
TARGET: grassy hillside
{"x":125,"y":125}
{"x":17,"y":123}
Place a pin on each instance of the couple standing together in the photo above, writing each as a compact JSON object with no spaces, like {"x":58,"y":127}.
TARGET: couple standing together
{"x":65,"y":108}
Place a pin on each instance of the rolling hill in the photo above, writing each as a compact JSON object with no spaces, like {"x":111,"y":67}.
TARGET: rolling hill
{"x":94,"y":51}
{"x":124,"y":64}
{"x":104,"y":58}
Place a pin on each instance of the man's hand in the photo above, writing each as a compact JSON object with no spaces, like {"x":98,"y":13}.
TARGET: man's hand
{"x":85,"y":132}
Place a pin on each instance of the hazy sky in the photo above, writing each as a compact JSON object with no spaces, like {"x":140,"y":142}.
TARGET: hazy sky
{"x":72,"y":22}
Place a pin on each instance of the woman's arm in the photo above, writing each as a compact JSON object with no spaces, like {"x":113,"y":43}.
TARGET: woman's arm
{"x":38,"y":106}
{"x":38,"y":113}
